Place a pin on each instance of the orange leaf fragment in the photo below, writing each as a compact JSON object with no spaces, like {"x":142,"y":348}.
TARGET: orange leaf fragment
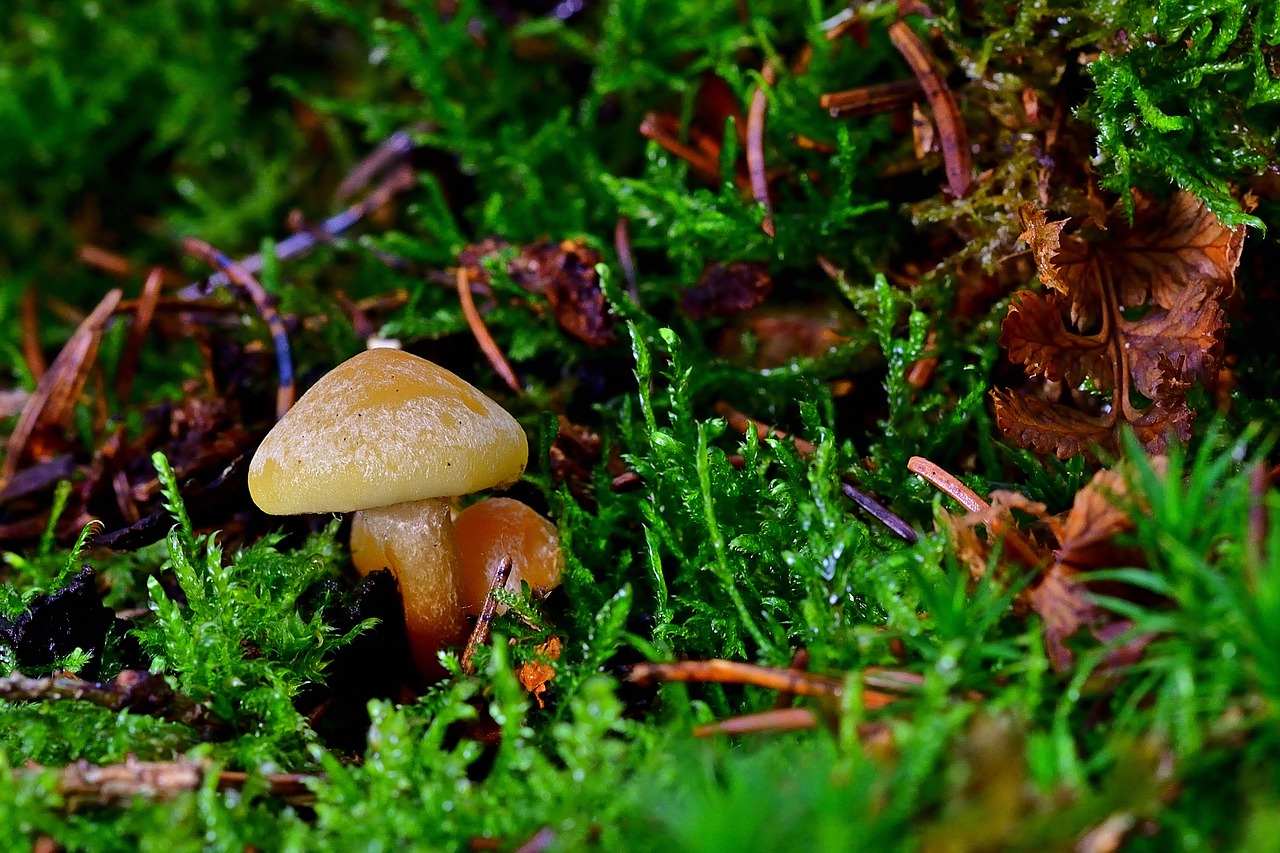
{"x":534,"y":675}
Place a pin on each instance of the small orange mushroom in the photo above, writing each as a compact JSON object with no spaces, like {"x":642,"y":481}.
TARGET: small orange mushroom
{"x":502,"y":527}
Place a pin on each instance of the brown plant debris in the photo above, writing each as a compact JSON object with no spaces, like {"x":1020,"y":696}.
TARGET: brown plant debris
{"x":952,"y":135}
{"x":1058,"y":549}
{"x":48,"y":410}
{"x":85,"y":785}
{"x":1133,"y":319}
{"x":564,"y":273}
{"x":724,"y":290}
{"x":136,"y":691}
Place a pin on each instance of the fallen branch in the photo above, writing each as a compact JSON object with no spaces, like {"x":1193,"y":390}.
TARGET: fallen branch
{"x":136,"y":691}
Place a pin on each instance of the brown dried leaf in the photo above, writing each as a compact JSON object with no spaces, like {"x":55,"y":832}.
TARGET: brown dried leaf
{"x":727,"y":289}
{"x":1172,"y":347}
{"x":1044,"y":237}
{"x":1064,"y":607}
{"x":565,"y":274}
{"x":1049,"y":427}
{"x":534,"y":675}
{"x":1086,"y":538}
{"x":1169,"y":246}
{"x":1035,"y":335}
{"x":1176,"y":261}
{"x":1097,"y":516}
{"x":58,"y":391}
{"x":575,"y":453}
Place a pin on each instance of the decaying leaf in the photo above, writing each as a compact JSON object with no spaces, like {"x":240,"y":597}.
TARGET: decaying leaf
{"x":565,"y":273}
{"x":1137,"y":316}
{"x":1083,"y":539}
{"x":574,"y":454}
{"x":727,"y":289}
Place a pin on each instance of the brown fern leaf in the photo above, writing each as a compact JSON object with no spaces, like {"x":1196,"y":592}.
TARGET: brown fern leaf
{"x":1137,"y":316}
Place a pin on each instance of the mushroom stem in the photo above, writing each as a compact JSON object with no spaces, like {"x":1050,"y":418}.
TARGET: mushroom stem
{"x":415,"y":541}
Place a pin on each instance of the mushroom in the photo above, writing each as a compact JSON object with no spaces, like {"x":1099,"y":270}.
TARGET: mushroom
{"x":502,"y":527}
{"x":392,"y":437}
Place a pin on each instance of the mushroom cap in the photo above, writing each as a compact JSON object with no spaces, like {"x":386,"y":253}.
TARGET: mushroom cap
{"x":382,"y":428}
{"x":502,"y":527}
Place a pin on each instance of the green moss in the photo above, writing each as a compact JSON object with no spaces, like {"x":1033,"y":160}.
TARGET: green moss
{"x":728,"y":547}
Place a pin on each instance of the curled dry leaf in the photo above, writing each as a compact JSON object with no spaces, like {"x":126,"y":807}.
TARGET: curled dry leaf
{"x":565,"y":273}
{"x":1137,"y":316}
{"x":1083,"y":539}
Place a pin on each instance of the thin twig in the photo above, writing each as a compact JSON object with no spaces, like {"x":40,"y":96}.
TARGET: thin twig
{"x":721,"y":671}
{"x":497,"y":360}
{"x":776,"y":720}
{"x":733,"y":672}
{"x":744,"y":424}
{"x":871,"y":99}
{"x":290,"y":787}
{"x":1016,"y":542}
{"x":143,"y":315}
{"x":136,"y":691}
{"x":249,"y":286}
{"x":756,"y":167}
{"x":956,"y":159}
{"x":480,"y":633}
{"x":945,"y":482}
{"x":879,"y":512}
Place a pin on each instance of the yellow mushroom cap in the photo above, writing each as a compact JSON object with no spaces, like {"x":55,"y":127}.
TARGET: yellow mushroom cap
{"x":382,"y":428}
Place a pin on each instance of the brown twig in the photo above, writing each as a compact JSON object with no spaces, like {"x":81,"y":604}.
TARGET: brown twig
{"x":661,"y":129}
{"x":120,"y":266}
{"x":776,"y":720}
{"x":480,"y":633}
{"x":145,"y":312}
{"x":249,"y":287}
{"x":756,"y":167}
{"x":744,"y":424}
{"x":59,"y":389}
{"x":956,"y":159}
{"x":870,"y":100}
{"x":946,"y":483}
{"x":720,"y":671}
{"x":85,"y":784}
{"x":1019,"y":547}
{"x":118,"y":785}
{"x":136,"y":691}
{"x":622,"y":245}
{"x":497,"y":360}
{"x":290,"y":787}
